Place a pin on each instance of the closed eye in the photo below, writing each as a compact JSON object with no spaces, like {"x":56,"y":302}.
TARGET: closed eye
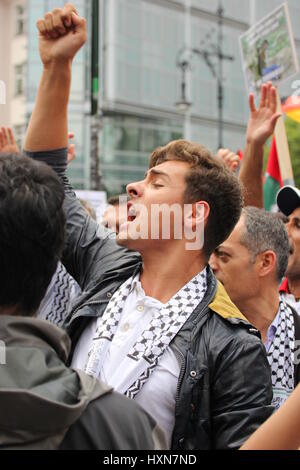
{"x":222,"y":256}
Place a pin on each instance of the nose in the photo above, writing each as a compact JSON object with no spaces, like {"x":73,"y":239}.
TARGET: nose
{"x":213,"y":261}
{"x":135,"y":190}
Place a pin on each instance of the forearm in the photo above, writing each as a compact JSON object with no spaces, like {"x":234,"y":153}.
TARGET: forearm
{"x":281,"y":431}
{"x":251,"y":174}
{"x":48,"y":126}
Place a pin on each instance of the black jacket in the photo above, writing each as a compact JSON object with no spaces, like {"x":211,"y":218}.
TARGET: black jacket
{"x":224,"y":390}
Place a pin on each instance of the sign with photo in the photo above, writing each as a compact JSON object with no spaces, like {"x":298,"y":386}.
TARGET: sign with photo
{"x":268,"y":50}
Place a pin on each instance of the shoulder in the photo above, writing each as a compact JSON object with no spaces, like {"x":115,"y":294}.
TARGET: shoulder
{"x":235,"y":331}
{"x":230,"y":323}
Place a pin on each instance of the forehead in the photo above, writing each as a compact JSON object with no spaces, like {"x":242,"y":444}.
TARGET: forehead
{"x":174,"y":168}
{"x":234,"y":239}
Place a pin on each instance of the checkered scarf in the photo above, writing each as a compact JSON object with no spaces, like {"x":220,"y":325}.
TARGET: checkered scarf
{"x":281,"y":355}
{"x":56,"y":304}
{"x":149,"y":347}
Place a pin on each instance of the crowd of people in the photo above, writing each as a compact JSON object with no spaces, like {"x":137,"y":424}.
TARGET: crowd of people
{"x":125,"y":335}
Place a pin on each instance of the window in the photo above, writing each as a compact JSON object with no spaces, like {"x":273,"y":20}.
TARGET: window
{"x":19,"y":80}
{"x":20,"y":20}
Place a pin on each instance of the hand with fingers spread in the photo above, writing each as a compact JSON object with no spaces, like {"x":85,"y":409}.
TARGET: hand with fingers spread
{"x":71,"y":149}
{"x":263,"y":119}
{"x":230,"y":159}
{"x":7,"y":141}
{"x":261,"y":126}
{"x":62,"y":33}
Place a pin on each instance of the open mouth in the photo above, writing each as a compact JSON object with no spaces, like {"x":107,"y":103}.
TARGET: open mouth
{"x":291,"y":250}
{"x":131,"y":212}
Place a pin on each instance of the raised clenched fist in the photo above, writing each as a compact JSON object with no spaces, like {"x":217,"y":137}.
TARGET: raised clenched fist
{"x":62,"y":33}
{"x":230,"y":159}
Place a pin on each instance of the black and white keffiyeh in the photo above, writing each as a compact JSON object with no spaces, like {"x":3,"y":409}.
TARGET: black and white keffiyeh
{"x":142,"y":359}
{"x":62,"y":290}
{"x":281,"y":355}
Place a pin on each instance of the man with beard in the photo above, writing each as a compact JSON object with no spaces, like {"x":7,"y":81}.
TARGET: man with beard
{"x":288,"y":201}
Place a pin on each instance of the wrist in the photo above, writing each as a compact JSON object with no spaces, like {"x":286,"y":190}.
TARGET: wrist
{"x":255,"y":142}
{"x":58,"y":65}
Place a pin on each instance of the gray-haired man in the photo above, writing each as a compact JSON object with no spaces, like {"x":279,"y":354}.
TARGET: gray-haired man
{"x":251,"y":264}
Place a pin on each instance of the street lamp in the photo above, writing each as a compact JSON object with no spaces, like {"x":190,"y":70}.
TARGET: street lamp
{"x":215,"y":51}
{"x":183,"y":104}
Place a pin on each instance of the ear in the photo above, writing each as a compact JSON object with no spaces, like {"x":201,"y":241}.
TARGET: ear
{"x":200,"y":213}
{"x":196,"y":214}
{"x":266,"y":263}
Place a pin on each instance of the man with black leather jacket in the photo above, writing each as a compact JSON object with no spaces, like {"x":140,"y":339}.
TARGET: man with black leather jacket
{"x":152,"y":320}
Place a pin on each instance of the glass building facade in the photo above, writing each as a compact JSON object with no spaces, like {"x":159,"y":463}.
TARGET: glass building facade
{"x":140,"y":83}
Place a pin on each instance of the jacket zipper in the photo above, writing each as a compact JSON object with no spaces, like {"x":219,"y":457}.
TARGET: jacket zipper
{"x":180,"y":358}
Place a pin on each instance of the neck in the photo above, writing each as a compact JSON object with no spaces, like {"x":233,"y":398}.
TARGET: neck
{"x":261,"y":310}
{"x":167,"y":270}
{"x":294,"y":286}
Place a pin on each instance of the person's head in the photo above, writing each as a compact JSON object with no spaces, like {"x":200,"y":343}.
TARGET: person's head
{"x":288,"y":201}
{"x":32,"y":227}
{"x":116,"y":212}
{"x":254,"y":257}
{"x":88,"y":209}
{"x":187,"y":175}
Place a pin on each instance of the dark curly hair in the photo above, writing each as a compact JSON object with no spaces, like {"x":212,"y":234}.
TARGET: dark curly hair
{"x":32,"y":229}
{"x":207,"y":180}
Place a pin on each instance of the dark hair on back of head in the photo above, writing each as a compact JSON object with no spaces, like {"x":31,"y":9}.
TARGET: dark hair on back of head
{"x":32,"y":228}
{"x":207,"y":180}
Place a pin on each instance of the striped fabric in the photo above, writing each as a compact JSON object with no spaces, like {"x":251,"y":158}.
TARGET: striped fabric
{"x":61,"y":292}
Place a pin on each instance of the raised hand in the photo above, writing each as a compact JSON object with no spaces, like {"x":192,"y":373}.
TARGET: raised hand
{"x":230,"y":159}
{"x":61,"y":34}
{"x":7,"y":141}
{"x":263,"y":120}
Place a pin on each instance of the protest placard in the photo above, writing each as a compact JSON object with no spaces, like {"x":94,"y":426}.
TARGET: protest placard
{"x":268,"y":50}
{"x":269,"y":54}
